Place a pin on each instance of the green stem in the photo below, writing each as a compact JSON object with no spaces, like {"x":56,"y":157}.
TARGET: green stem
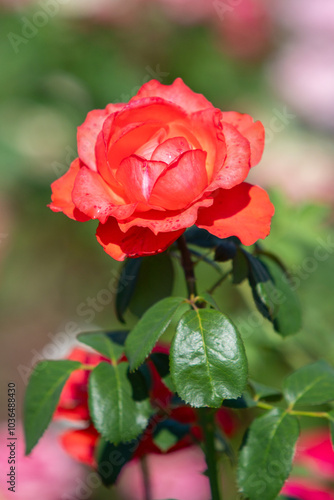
{"x":297,"y":413}
{"x":206,"y":416}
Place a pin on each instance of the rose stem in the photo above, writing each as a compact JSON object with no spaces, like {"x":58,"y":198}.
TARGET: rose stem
{"x":207,"y":421}
{"x":188,"y":267}
{"x":206,"y":414}
{"x":146,"y":478}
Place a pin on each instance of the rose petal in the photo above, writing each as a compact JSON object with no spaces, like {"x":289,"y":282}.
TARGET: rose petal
{"x":166,"y":221}
{"x":244,"y":211}
{"x":62,"y":194}
{"x":254,"y":132}
{"x":93,"y":197}
{"x":138,"y":177}
{"x":178,"y":93}
{"x":237,"y":163}
{"x":88,"y":132}
{"x":170,"y":149}
{"x":81,"y":444}
{"x":134,"y":243}
{"x":182,"y":182}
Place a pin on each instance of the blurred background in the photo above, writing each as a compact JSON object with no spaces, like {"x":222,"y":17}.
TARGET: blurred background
{"x":273,"y":59}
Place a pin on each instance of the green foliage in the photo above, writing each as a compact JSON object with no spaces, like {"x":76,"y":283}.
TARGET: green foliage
{"x":116,"y":416}
{"x":208,"y":361}
{"x":155,"y":282}
{"x":266,"y":459}
{"x":111,"y":459}
{"x":310,"y":385}
{"x":126,"y":286}
{"x":288,"y":320}
{"x":149,"y":329}
{"x":331,"y":426}
{"x":102,"y":343}
{"x":264,"y":392}
{"x":42,"y":395}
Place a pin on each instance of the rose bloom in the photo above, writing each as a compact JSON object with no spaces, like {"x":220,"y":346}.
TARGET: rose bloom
{"x":168,"y":159}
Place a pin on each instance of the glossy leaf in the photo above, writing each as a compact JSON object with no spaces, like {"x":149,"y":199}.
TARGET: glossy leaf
{"x":266,"y":459}
{"x":155,"y":282}
{"x":116,"y":416}
{"x":208,"y":360}
{"x":310,"y":385}
{"x":288,"y":319}
{"x":42,"y":395}
{"x":103,"y":344}
{"x":149,"y":329}
{"x":126,"y":286}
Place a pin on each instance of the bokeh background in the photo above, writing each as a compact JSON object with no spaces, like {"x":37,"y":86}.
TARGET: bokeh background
{"x":273,"y":59}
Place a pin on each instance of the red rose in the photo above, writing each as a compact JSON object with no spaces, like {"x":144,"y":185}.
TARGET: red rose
{"x":168,"y":159}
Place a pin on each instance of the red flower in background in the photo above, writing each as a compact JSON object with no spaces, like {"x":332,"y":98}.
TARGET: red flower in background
{"x":168,"y":159}
{"x":73,"y":405}
{"x":316,"y":456}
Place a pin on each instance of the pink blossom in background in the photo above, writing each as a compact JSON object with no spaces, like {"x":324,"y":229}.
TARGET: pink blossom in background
{"x":245,"y":28}
{"x":315,"y":451}
{"x":303,"y":489}
{"x":46,"y":474}
{"x":305,"y":17}
{"x":303,"y":76}
{"x":316,"y":456}
{"x":177,"y":475}
{"x":289,"y":164}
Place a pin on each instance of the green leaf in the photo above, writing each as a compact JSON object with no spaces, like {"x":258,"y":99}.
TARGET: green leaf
{"x":116,"y":416}
{"x":263,"y":288}
{"x":288,"y":319}
{"x":310,"y":385}
{"x":155,"y":282}
{"x":331,"y":426}
{"x":207,"y":297}
{"x":266,"y":459}
{"x":240,"y":268}
{"x":149,"y":329}
{"x":111,"y":459}
{"x":226,"y":250}
{"x":126,"y":286}
{"x":101,"y":342}
{"x":42,"y":395}
{"x":208,"y":360}
{"x":265,"y":392}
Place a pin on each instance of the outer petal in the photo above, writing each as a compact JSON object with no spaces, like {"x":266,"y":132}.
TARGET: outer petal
{"x":94,"y":197}
{"x":182,"y":182}
{"x":62,"y":194}
{"x":237,"y":163}
{"x":178,"y":93}
{"x":135,"y":242}
{"x":254,"y":132}
{"x":164,"y":222}
{"x":244,"y":211}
